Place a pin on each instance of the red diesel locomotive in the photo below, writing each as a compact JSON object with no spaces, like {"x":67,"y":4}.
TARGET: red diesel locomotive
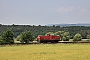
{"x":48,"y":38}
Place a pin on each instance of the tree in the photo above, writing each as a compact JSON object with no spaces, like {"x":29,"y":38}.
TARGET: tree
{"x":60,"y":33}
{"x":7,"y":37}
{"x":49,"y":33}
{"x":1,"y":41}
{"x":77,"y":37}
{"x":88,"y":36}
{"x":26,"y":37}
{"x":66,"y":36}
{"x":84,"y":33}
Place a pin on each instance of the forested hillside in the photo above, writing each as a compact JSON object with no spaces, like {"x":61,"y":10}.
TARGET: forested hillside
{"x":42,"y":30}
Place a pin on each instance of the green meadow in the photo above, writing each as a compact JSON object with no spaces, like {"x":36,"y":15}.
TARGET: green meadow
{"x":45,"y":52}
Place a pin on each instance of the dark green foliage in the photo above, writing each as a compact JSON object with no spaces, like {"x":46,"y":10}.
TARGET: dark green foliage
{"x":26,"y":37}
{"x":65,"y":33}
{"x":1,"y":40}
{"x":49,"y":33}
{"x":7,"y":37}
{"x":42,"y":30}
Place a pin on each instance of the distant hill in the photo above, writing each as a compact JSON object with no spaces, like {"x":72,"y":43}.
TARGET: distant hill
{"x":65,"y":25}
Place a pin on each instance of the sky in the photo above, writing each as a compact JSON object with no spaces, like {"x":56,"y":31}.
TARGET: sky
{"x":42,"y":12}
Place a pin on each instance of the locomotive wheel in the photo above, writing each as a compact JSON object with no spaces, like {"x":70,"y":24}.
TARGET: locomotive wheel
{"x":39,"y":41}
{"x":56,"y":41}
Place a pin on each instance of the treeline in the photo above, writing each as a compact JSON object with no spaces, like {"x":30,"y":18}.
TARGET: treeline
{"x":42,"y":30}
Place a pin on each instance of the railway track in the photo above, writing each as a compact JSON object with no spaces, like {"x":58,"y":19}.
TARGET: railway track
{"x":64,"y":42}
{"x":60,"y":42}
{"x":74,"y":42}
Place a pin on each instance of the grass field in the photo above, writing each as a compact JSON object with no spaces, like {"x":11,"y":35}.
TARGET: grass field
{"x":46,"y":52}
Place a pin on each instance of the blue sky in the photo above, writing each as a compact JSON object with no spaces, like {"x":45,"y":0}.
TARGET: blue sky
{"x":41,"y":12}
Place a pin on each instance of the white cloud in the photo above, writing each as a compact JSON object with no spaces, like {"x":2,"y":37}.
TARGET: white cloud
{"x":62,"y":9}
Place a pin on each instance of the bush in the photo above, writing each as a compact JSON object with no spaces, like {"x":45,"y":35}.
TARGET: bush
{"x":66,"y":36}
{"x":77,"y":37}
{"x":26,"y":37}
{"x":7,"y":37}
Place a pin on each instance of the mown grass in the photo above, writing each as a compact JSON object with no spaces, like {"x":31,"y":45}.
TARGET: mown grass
{"x":46,"y":52}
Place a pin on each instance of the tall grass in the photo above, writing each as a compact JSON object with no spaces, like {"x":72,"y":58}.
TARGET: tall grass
{"x":46,"y":52}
